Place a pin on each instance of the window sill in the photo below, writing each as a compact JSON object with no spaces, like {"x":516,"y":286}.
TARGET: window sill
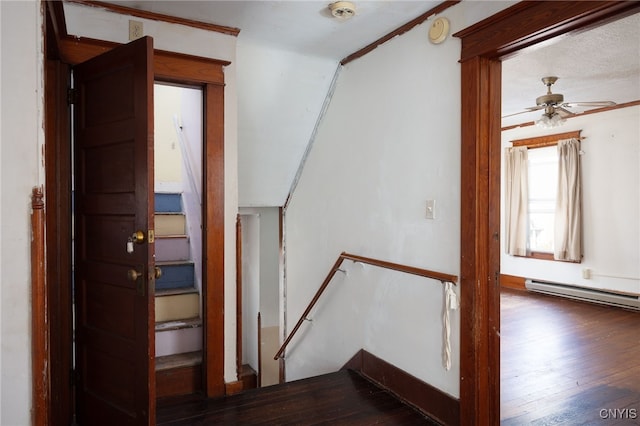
{"x":540,"y":255}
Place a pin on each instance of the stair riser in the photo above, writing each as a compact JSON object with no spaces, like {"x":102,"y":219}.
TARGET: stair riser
{"x":172,"y":249}
{"x":176,"y":276}
{"x":168,"y":203}
{"x":170,"y":224}
{"x":177,"y":306}
{"x":178,"y":341}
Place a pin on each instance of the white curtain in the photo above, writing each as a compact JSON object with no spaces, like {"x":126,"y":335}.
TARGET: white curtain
{"x":516,"y":201}
{"x":568,"y":217}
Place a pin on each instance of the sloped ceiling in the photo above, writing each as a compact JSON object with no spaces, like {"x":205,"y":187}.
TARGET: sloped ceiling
{"x":287,"y":55}
{"x":288,"y":52}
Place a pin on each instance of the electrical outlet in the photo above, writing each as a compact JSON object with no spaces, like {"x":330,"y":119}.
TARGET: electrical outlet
{"x":135,"y":30}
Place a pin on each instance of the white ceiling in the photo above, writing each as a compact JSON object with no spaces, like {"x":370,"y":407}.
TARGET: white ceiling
{"x":596,"y":65}
{"x":602,"y":64}
{"x":302,"y":26}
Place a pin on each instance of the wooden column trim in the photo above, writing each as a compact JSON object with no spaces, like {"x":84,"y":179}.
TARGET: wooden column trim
{"x":479,"y":267}
{"x":58,"y":241}
{"x":40,"y":328}
{"x":214,"y":227}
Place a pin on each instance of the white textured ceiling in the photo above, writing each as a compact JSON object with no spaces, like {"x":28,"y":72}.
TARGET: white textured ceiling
{"x":602,"y":64}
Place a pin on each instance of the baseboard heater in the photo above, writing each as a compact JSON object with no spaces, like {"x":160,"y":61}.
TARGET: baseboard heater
{"x":582,"y":293}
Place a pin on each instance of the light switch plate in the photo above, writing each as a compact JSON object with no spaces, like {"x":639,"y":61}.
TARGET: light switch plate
{"x":431,"y":209}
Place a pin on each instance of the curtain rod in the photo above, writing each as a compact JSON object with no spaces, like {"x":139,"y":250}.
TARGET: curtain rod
{"x":547,"y":140}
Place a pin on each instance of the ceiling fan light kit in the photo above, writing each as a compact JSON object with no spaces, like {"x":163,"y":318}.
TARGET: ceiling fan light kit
{"x":554,"y":106}
{"x":550,"y":121}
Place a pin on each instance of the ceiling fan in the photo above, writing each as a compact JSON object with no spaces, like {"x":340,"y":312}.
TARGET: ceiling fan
{"x":554,"y":106}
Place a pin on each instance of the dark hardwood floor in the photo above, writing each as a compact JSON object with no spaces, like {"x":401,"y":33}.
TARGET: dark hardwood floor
{"x":565,"y":362}
{"x":342,"y":398}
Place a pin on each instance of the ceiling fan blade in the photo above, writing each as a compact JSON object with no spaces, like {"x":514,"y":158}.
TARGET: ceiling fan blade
{"x":564,"y":113}
{"x":530,"y":109}
{"x":589,"y":104}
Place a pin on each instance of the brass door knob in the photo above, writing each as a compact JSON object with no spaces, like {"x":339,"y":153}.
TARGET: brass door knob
{"x":138,"y":237}
{"x":133,"y":275}
{"x":157,"y":272}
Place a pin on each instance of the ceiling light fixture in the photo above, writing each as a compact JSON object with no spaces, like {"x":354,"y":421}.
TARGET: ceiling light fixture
{"x":342,"y":9}
{"x":550,"y":118}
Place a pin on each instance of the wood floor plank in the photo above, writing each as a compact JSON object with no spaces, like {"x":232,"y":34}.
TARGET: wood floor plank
{"x":564,"y":361}
{"x":342,"y":398}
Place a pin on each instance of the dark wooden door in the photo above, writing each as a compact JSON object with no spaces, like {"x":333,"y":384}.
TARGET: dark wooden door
{"x":114,"y":287}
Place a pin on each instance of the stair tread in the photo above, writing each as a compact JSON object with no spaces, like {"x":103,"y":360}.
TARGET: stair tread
{"x":177,"y":290}
{"x":179,"y":324}
{"x":172,"y":236}
{"x":174,"y":262}
{"x":178,"y":360}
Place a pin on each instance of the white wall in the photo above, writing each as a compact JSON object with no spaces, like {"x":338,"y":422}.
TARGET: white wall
{"x":100,"y":24}
{"x":611,"y":203}
{"x":21,"y":141}
{"x":251,"y":270}
{"x":269,"y":265}
{"x":390,"y":141}
{"x":280,"y":98}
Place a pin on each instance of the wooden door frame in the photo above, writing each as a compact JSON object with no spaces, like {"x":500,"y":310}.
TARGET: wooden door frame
{"x":483,"y":46}
{"x":61,"y":52}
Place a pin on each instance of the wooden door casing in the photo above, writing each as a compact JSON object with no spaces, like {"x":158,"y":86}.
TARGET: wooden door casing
{"x":114,"y":197}
{"x":484,"y":45}
{"x":173,"y":67}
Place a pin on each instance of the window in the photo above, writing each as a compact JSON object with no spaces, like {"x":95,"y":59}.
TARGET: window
{"x":543,"y":182}
{"x":543,"y":201}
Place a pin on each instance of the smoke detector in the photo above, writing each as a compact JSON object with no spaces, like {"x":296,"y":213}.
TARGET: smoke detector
{"x":439,"y":30}
{"x":342,"y":9}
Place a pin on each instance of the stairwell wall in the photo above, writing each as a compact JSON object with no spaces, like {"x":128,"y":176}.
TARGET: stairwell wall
{"x":389,"y":142}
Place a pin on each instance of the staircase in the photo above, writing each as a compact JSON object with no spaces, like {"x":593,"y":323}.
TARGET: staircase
{"x":177,"y":302}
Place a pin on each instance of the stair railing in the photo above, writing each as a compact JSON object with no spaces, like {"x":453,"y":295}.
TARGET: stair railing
{"x":442,"y":277}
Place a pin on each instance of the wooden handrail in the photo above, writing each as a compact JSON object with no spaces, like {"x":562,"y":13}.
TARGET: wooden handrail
{"x":402,"y":268}
{"x":375,"y":262}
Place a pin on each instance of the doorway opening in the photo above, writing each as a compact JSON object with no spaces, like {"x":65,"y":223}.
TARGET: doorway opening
{"x":261,"y":263}
{"x":178,"y":141}
{"x":608,"y":246}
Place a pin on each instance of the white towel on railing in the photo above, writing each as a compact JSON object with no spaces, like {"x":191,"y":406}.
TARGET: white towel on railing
{"x":450,"y":303}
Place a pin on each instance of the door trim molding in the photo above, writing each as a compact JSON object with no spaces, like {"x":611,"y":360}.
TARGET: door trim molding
{"x":178,"y":68}
{"x":483,"y":46}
